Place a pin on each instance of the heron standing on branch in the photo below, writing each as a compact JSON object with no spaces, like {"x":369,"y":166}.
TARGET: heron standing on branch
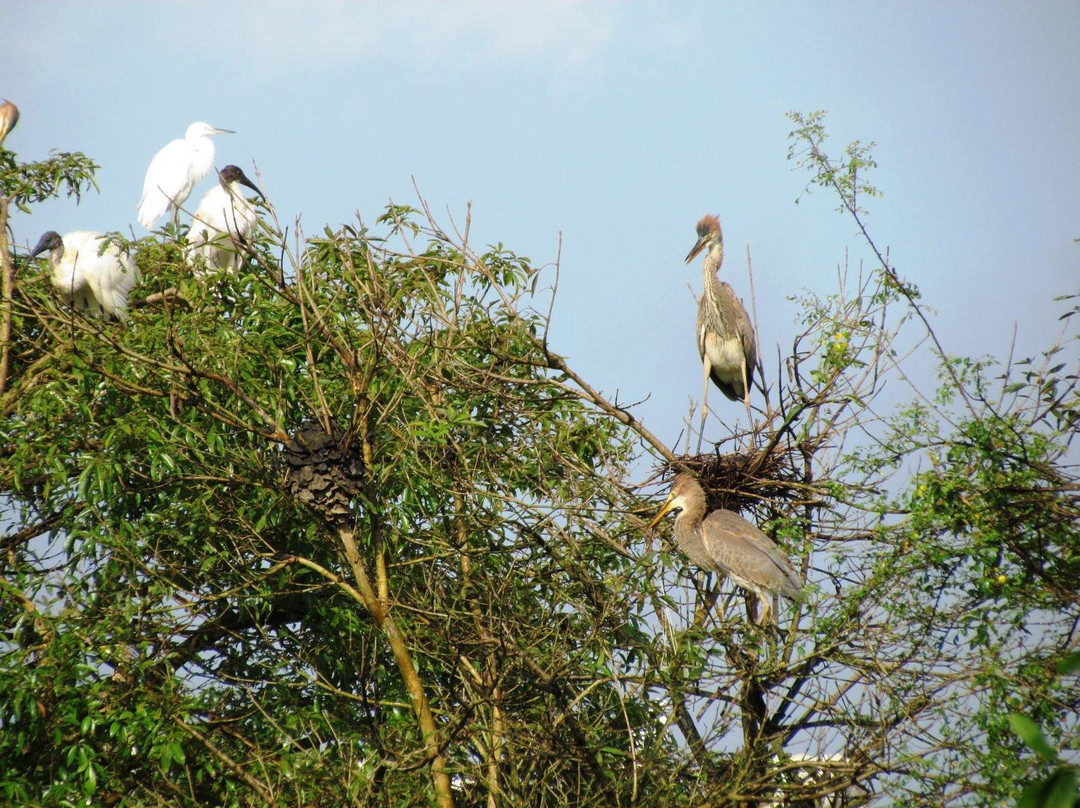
{"x":725,"y":336}
{"x":724,"y":542}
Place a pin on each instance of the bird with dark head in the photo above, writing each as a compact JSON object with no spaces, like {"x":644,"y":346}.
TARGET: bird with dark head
{"x":89,"y":273}
{"x":223,"y":222}
{"x":709,"y":233}
{"x":724,"y":542}
{"x":725,"y":336}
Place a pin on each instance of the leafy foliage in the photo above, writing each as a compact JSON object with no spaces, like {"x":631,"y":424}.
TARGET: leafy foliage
{"x":339,"y":528}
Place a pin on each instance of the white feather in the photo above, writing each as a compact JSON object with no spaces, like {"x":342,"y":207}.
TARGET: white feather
{"x":90,"y":278}
{"x":175,"y":171}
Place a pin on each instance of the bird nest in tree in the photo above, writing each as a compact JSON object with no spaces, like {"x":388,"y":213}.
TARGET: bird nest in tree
{"x":324,"y":470}
{"x":745,"y":480}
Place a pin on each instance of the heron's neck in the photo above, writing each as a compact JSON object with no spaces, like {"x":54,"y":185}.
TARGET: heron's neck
{"x":693,"y":510}
{"x":687,"y":532}
{"x":713,"y":259}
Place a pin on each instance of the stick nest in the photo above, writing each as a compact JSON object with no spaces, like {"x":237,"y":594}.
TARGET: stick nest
{"x":742,"y":481}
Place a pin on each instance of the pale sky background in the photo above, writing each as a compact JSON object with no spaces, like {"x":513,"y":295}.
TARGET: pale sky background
{"x":617,"y":124}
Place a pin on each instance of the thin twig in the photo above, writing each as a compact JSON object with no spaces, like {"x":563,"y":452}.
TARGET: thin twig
{"x":7,"y":282}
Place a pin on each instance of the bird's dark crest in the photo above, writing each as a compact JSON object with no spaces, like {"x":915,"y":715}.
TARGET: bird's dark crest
{"x":708,"y":224}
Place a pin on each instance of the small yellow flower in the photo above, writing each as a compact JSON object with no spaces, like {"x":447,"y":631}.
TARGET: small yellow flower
{"x":1001,"y":578}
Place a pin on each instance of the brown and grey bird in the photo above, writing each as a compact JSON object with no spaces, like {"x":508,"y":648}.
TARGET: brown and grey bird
{"x":725,"y":336}
{"x":725,"y":542}
{"x":9,"y":116}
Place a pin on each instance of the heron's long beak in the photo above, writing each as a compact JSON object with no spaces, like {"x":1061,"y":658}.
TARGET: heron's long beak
{"x":668,"y":504}
{"x":224,"y":132}
{"x":697,"y":248}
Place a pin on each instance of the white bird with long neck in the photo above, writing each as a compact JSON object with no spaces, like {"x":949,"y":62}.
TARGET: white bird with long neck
{"x":725,"y":542}
{"x":175,"y":171}
{"x":89,"y":274}
{"x":223,"y":222}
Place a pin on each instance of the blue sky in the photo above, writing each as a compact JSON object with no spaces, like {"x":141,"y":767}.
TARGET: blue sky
{"x":616,"y":124}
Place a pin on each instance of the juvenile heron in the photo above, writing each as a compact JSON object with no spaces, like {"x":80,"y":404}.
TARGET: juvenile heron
{"x":175,"y":171}
{"x":725,"y":542}
{"x":89,"y":275}
{"x":725,"y":336}
{"x":223,"y":221}
{"x":9,"y":116}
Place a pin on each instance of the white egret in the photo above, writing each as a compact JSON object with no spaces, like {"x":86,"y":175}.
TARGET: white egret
{"x":9,"y":116}
{"x":90,"y":275}
{"x":175,"y":170}
{"x":223,"y":221}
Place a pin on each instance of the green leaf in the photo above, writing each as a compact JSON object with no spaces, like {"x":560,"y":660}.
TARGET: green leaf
{"x":1070,"y":664}
{"x":1033,"y":795}
{"x":1031,"y":734}
{"x":1060,"y":789}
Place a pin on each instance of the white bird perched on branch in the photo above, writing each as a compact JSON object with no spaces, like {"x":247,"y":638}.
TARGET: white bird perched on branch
{"x":175,"y":171}
{"x":90,"y":273}
{"x":223,"y":221}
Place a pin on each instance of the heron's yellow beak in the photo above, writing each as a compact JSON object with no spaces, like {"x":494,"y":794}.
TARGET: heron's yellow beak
{"x":663,"y":510}
{"x":697,"y":248}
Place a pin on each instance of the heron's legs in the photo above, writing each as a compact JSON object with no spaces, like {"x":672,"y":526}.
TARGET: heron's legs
{"x":706,"y":366}
{"x":746,"y":396}
{"x":767,"y":617}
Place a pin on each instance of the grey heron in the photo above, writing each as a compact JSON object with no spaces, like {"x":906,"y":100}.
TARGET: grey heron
{"x":725,"y":336}
{"x":725,"y":542}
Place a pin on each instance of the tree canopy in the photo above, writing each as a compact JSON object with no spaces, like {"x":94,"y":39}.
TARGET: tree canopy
{"x":340,"y":528}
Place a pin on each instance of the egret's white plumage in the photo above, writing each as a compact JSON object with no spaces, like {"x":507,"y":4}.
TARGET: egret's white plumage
{"x":90,"y":275}
{"x":223,"y":221}
{"x":175,"y":171}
